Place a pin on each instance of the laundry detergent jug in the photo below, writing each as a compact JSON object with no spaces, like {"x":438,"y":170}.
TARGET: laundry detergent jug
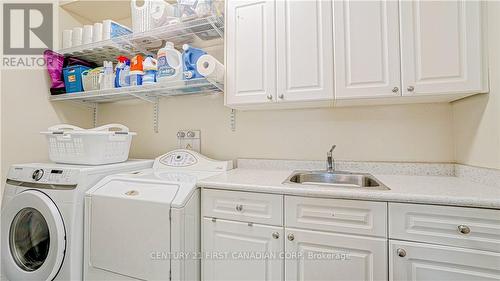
{"x":190,"y":58}
{"x":169,"y":63}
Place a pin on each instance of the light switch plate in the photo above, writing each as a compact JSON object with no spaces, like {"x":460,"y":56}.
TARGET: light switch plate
{"x":189,"y":139}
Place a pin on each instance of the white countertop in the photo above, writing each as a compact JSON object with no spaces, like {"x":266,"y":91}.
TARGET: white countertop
{"x":442,"y":190}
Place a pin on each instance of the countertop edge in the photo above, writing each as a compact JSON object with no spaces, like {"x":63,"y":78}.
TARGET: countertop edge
{"x":362,"y":195}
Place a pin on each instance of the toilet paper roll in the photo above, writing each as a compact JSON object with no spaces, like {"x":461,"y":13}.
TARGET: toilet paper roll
{"x":97,"y":32}
{"x":76,"y":38}
{"x":87,"y":34}
{"x":66,"y":38}
{"x":211,"y":68}
{"x":106,"y":29}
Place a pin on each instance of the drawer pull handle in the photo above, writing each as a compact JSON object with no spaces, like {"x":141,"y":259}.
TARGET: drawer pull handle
{"x":276,"y":235}
{"x":291,"y":237}
{"x":239,"y":208}
{"x":463,"y":229}
{"x":401,"y":252}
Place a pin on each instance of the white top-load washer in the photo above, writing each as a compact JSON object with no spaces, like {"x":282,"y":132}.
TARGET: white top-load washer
{"x":42,"y":218}
{"x":147,"y":226}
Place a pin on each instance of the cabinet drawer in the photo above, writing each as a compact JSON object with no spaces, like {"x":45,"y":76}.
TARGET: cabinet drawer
{"x":243,"y":206}
{"x":348,"y":216}
{"x":455,"y":226}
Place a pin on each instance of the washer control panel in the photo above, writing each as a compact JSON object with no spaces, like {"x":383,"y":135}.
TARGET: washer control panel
{"x":43,"y":175}
{"x":185,"y":159}
{"x":178,"y":159}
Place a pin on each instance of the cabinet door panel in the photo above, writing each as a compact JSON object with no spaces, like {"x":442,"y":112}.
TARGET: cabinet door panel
{"x":442,"y":47}
{"x":238,"y":239}
{"x":367,"y":61}
{"x":305,"y":59}
{"x":425,"y":262}
{"x":331,"y":257}
{"x":250,"y":46}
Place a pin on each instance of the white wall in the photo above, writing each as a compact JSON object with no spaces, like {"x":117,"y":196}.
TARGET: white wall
{"x":383,"y":133}
{"x":476,"y":120}
{"x":26,"y":111}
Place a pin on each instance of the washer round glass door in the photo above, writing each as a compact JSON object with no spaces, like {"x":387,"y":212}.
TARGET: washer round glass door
{"x":33,"y":229}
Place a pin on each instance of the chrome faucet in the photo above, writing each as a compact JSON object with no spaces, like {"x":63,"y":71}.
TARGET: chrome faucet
{"x":330,"y":162}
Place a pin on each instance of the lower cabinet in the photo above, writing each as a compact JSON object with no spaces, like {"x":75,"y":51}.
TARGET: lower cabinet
{"x":241,"y":251}
{"x":332,"y":257}
{"x":429,"y":262}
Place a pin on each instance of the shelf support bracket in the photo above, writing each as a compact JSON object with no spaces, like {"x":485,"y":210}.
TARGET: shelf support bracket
{"x":94,"y":107}
{"x":156,"y":114}
{"x":144,"y":97}
{"x":232,"y":120}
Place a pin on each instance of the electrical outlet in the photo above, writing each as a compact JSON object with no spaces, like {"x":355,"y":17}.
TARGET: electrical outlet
{"x":189,"y":139}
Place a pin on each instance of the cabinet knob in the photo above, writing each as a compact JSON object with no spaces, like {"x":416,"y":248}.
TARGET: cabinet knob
{"x":291,"y":237}
{"x":410,"y":88}
{"x":276,"y":235}
{"x":239,"y":208}
{"x":269,"y":97}
{"x":395,"y":89}
{"x":281,"y":96}
{"x":401,"y":252}
{"x":463,"y":229}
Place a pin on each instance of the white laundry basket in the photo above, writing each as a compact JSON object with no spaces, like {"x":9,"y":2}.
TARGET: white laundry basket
{"x":73,"y":145}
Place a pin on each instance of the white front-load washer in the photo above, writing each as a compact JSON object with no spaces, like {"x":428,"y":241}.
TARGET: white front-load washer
{"x":146,"y":226}
{"x":42,"y":218}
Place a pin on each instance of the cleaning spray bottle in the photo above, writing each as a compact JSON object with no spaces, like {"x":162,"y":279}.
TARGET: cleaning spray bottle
{"x":190,"y":57}
{"x":150,"y":70}
{"x":122,"y":72}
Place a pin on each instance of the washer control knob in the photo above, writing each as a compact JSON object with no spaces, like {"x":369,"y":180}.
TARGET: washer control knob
{"x":181,"y":134}
{"x":190,"y":134}
{"x":37,"y":174}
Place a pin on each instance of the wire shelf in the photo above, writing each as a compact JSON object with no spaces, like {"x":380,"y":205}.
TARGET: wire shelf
{"x":207,"y":29}
{"x":149,"y":92}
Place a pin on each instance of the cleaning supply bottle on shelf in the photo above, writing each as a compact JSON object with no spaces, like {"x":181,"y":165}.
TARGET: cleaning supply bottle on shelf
{"x":190,"y":57}
{"x":150,"y":70}
{"x":122,"y":72}
{"x":136,"y":70}
{"x":107,"y":76}
{"x":169,"y":63}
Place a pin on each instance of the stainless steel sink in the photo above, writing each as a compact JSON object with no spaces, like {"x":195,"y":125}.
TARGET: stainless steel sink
{"x":336,"y":179}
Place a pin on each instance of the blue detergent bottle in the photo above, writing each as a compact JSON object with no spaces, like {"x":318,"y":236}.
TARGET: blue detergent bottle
{"x":189,"y":58}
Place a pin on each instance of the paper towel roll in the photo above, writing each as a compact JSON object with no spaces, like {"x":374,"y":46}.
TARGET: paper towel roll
{"x":211,"y":68}
{"x":97,"y":32}
{"x":66,"y":38}
{"x":76,"y":39}
{"x":87,"y":34}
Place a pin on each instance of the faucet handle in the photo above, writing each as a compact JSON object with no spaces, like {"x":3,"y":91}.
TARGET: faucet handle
{"x":331,"y":150}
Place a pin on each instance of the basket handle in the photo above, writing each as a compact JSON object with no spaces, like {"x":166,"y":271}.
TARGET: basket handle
{"x":122,"y":128}
{"x":64,"y":127}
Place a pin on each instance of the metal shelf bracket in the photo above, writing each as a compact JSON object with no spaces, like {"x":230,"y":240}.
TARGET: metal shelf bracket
{"x":156,"y":115}
{"x":232,"y":120}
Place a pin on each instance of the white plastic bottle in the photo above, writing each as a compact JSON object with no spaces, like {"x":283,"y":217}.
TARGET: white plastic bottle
{"x":169,"y":63}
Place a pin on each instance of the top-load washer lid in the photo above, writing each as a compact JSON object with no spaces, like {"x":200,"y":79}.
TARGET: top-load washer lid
{"x":129,"y":223}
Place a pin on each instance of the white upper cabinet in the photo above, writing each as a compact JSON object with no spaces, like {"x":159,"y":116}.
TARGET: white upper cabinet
{"x":250,"y":52}
{"x":304,"y":50}
{"x":366,"y":48}
{"x":442,"y":47}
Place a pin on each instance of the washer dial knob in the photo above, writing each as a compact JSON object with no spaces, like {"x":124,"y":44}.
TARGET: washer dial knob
{"x":37,"y":174}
